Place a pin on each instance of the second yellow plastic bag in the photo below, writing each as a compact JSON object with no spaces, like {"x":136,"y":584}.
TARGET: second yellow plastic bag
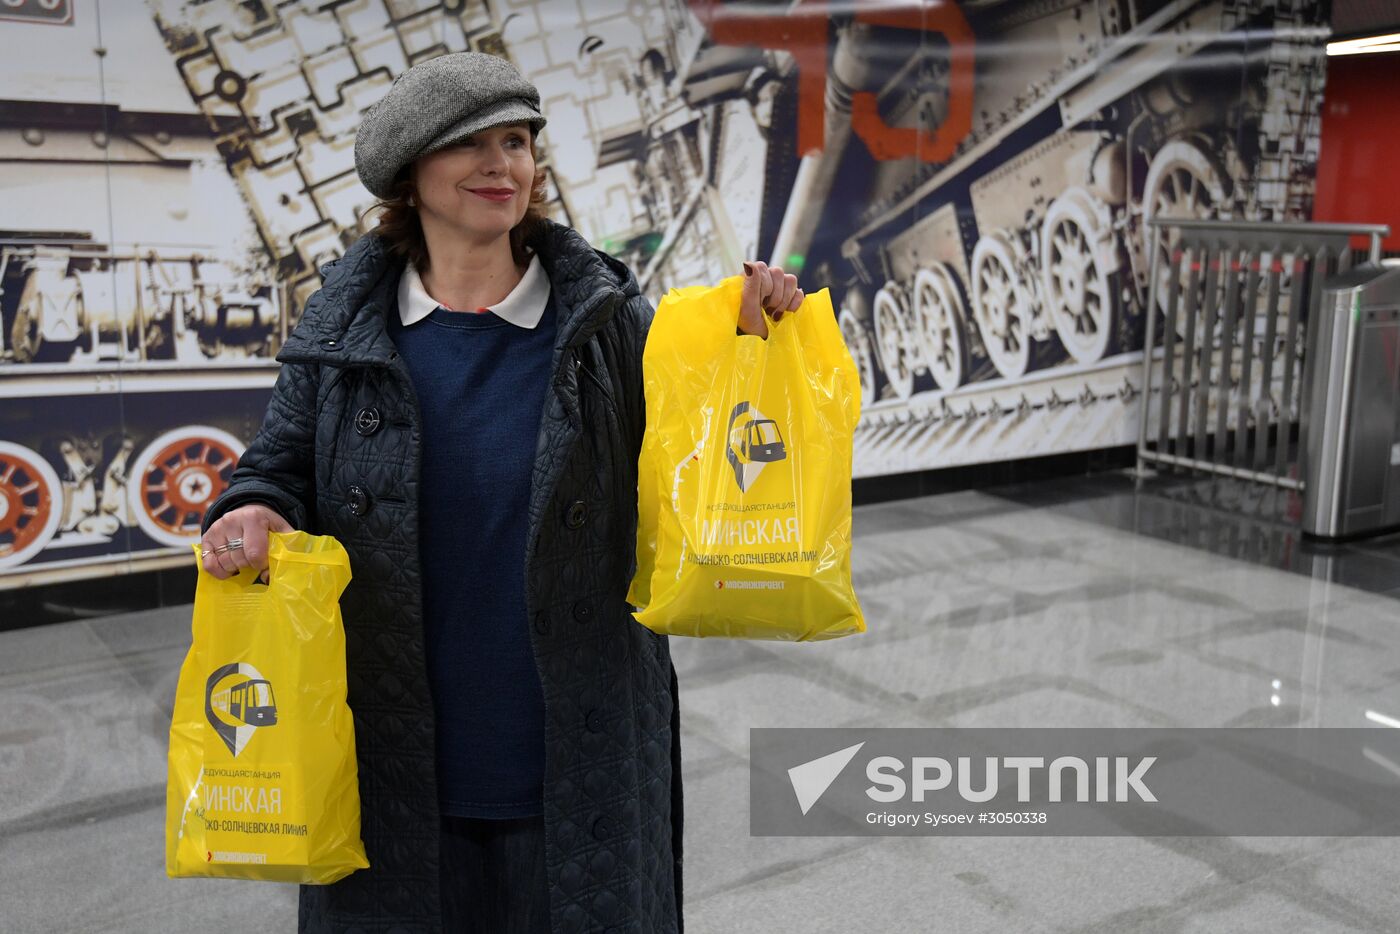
{"x":262,"y":777}
{"x":744,"y":480}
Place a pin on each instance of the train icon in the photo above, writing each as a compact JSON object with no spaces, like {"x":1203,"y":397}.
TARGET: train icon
{"x":238,"y":701}
{"x":250,"y":702}
{"x":757,"y":440}
{"x":754,"y":441}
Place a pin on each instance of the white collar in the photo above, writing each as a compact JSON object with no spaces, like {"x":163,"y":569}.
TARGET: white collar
{"x":523,"y":307}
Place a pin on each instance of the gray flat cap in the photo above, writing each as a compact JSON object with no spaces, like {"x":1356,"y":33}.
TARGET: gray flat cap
{"x":435,"y":104}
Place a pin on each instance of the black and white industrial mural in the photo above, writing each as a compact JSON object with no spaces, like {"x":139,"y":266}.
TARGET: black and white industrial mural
{"x":971,"y":179}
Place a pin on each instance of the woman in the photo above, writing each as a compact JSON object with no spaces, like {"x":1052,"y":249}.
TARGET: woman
{"x":517,"y":731}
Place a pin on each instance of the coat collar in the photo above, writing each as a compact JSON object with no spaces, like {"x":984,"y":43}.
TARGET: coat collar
{"x":522,"y":307}
{"x":343,"y":324}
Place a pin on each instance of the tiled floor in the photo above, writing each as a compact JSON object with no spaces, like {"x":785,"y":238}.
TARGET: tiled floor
{"x":1255,"y":524}
{"x":1066,"y":605}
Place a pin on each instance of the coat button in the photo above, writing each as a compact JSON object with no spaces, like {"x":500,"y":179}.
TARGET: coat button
{"x":602,"y":829}
{"x":582,"y":611}
{"x":358,"y":500}
{"x":542,"y":623}
{"x":367,"y":421}
{"x":594,"y":721}
{"x":576,"y":515}
{"x":330,"y":343}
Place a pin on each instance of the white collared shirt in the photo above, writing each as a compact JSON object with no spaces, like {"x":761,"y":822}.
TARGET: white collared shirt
{"x":523,"y":307}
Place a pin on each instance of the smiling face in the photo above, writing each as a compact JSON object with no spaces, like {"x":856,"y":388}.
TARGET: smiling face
{"x":478,"y":188}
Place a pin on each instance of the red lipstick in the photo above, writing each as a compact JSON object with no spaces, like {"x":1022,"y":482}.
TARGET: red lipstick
{"x":494,"y":194}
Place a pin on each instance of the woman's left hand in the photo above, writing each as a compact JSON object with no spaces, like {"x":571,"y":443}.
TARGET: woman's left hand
{"x":766,"y":288}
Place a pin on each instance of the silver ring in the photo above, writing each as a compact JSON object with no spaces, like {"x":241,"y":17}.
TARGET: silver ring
{"x":229,"y":545}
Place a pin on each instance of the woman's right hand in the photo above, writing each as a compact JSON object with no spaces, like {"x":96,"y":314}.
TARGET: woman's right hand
{"x":251,"y":524}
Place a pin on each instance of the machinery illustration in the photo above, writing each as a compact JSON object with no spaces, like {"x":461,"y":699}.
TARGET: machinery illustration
{"x":1000,"y":264}
{"x":78,"y":305}
{"x":170,"y":211}
{"x":1010,"y":283}
{"x":138,"y":319}
{"x":992,"y":298}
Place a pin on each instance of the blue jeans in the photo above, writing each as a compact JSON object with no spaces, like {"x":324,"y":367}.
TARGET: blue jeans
{"x":493,"y":876}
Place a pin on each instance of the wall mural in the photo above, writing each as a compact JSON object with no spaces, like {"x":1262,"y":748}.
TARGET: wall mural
{"x":972,"y":180}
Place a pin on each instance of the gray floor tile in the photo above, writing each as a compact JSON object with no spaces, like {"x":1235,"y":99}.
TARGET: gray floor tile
{"x":983,"y":610}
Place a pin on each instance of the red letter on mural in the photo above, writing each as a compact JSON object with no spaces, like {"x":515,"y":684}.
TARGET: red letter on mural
{"x":802,"y":31}
{"x":887,"y":142}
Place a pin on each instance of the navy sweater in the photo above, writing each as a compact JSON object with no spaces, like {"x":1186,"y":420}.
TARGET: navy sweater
{"x":480,"y":382}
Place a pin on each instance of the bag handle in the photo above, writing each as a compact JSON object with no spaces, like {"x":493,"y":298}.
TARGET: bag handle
{"x":314,"y":549}
{"x":246,"y":578}
{"x":303,"y":548}
{"x":296,"y":547}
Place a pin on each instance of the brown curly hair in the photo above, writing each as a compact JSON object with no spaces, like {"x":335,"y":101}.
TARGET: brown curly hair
{"x":400,"y":227}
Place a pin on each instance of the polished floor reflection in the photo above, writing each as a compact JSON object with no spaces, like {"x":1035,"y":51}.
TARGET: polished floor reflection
{"x":1254,"y":523}
{"x":1078,"y":604}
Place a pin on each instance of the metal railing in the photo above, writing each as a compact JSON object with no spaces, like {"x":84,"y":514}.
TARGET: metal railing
{"x":1234,"y":299}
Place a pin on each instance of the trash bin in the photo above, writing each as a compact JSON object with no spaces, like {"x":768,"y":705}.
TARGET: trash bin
{"x":1352,"y":415}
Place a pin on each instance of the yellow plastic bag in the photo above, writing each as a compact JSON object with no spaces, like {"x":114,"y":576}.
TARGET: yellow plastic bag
{"x":263,"y":782}
{"x":744,"y":479}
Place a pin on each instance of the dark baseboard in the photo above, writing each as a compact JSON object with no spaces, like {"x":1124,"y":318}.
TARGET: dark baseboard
{"x":868,"y":490}
{"x":96,"y":597}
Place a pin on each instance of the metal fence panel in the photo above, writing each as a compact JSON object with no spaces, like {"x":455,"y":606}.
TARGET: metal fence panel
{"x":1249,"y":288}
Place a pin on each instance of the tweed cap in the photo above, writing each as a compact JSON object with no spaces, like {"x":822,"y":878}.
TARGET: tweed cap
{"x":438,"y":103}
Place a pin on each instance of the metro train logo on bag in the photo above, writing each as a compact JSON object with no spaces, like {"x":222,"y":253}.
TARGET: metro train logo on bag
{"x":238,"y":700}
{"x":754,"y":443}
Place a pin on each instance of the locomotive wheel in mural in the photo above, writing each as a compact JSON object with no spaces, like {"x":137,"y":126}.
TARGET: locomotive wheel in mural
{"x":1078,"y":261}
{"x":940,"y":323}
{"x":1183,"y":182}
{"x":177,"y":477}
{"x":30,"y":504}
{"x":858,"y":343}
{"x":899,"y":355}
{"x":1002,"y":304}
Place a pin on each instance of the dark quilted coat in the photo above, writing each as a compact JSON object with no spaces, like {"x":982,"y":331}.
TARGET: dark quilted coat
{"x":612,"y":795}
